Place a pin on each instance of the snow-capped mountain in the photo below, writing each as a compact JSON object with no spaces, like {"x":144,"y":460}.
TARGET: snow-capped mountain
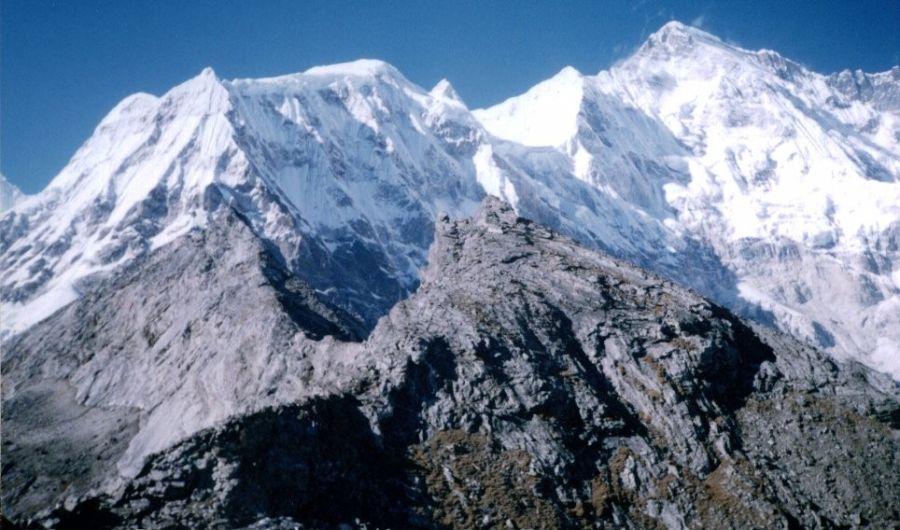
{"x":341,"y":168}
{"x":219,"y":314}
{"x":768,"y":187}
{"x":792,"y":177}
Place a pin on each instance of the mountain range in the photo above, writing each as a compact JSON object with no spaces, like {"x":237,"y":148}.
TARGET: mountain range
{"x":536,"y":298}
{"x":767,"y":187}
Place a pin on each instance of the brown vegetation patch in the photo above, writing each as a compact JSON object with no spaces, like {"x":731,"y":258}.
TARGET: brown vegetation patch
{"x":474,"y":484}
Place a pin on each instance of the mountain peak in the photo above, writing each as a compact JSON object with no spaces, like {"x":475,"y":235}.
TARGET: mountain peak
{"x":206,"y":77}
{"x":494,"y":211}
{"x":201,"y":94}
{"x":675,"y":37}
{"x":676,"y":29}
{"x":444,"y":90}
{"x":357,"y":68}
{"x":675,"y":26}
{"x":568,"y":73}
{"x":546,"y":115}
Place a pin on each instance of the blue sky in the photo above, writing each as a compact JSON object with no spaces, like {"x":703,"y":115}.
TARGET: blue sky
{"x":64,"y":64}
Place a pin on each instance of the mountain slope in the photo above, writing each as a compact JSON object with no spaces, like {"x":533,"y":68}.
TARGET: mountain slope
{"x":134,"y":365}
{"x":791,"y":177}
{"x":534,"y":383}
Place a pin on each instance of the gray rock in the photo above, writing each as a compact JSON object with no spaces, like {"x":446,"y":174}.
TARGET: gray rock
{"x":527,"y":383}
{"x":202,"y":330}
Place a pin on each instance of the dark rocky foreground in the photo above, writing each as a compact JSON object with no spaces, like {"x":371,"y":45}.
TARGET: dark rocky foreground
{"x":528,"y":383}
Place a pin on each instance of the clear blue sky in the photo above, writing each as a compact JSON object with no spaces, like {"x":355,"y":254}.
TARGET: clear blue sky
{"x":64,"y":64}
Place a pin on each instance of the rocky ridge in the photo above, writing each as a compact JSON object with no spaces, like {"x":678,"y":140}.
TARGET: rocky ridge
{"x":528,"y":382}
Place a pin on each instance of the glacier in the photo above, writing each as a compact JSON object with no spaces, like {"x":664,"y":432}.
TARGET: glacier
{"x":767,"y":187}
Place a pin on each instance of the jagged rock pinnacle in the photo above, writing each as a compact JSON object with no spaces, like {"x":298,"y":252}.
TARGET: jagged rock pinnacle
{"x":495,"y":212}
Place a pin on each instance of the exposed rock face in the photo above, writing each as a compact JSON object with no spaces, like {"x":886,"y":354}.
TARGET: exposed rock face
{"x":202,"y":330}
{"x":527,"y":383}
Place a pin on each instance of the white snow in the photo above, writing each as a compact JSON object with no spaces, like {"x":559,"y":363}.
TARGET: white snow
{"x":491,"y":178}
{"x":445,"y":92}
{"x":693,"y":157}
{"x":546,"y":115}
{"x":358,"y":68}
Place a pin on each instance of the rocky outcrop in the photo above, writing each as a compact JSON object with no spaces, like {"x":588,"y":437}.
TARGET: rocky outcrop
{"x":202,"y":330}
{"x":527,"y":383}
